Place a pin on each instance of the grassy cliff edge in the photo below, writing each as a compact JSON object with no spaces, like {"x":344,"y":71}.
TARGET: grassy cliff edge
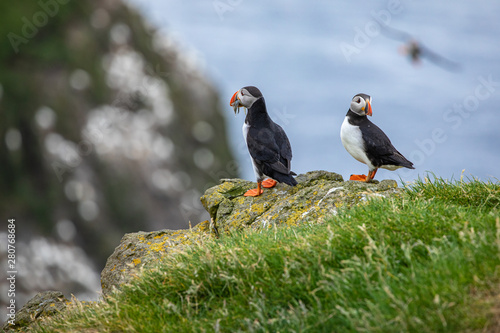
{"x":424,"y":261}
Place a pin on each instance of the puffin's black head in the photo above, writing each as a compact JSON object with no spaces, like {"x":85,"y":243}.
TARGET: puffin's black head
{"x":361,"y":105}
{"x":245,"y":97}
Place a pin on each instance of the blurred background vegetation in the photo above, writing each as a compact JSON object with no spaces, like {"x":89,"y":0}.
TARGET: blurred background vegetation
{"x":105,"y":127}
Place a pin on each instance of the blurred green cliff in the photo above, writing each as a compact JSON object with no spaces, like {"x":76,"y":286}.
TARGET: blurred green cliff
{"x":106,"y":126}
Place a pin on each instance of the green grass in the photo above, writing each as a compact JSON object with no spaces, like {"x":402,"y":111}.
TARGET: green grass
{"x":423,"y":262}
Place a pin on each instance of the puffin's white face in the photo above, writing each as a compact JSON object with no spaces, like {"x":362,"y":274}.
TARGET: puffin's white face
{"x":242,"y":98}
{"x":361,"y":105}
{"x":246,"y":99}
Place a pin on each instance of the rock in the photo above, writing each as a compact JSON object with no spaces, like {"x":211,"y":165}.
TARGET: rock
{"x":44,"y":304}
{"x":317,"y":196}
{"x":143,"y":248}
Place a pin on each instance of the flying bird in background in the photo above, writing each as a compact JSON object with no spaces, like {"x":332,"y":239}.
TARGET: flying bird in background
{"x":416,"y":51}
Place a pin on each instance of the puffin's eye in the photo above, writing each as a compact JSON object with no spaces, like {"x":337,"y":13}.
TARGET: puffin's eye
{"x":358,"y":100}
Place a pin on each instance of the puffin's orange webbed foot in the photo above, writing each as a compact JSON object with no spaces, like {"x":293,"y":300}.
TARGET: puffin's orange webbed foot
{"x":361,"y":178}
{"x":268,"y":183}
{"x":253,"y":193}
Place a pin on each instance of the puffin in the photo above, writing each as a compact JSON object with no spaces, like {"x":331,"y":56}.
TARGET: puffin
{"x":366,"y":142}
{"x":267,"y":143}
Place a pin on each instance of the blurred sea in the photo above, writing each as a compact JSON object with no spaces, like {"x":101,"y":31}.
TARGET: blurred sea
{"x":310,"y":59}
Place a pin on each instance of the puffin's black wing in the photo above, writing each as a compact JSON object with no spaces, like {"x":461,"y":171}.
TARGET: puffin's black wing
{"x":379,"y":148}
{"x":284,"y":147}
{"x":270,"y":148}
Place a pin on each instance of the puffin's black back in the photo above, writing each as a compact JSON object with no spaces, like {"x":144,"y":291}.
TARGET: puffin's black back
{"x":378,"y":146}
{"x":267,"y":142}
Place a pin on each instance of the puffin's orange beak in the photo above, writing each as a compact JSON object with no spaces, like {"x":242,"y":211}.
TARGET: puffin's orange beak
{"x":369,"y":107}
{"x":235,"y":102}
{"x":233,"y":99}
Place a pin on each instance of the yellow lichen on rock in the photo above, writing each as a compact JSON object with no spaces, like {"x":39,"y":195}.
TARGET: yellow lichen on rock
{"x":316,"y":197}
{"x":318,"y":194}
{"x":137,"y":250}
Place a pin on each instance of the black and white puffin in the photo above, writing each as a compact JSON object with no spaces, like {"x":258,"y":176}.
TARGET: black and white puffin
{"x":267,"y":142}
{"x":366,"y":142}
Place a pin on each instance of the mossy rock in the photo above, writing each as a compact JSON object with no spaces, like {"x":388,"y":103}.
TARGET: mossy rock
{"x":43,"y":304}
{"x":317,"y":196}
{"x":139,"y":249}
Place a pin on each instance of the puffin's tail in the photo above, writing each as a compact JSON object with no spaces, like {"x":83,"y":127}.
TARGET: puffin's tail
{"x":405,"y":163}
{"x":408,"y":165}
{"x":400,"y":160}
{"x":287,"y":179}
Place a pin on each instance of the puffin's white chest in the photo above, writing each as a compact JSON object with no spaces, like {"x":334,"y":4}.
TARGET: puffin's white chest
{"x":352,"y":139}
{"x":245,"y":129}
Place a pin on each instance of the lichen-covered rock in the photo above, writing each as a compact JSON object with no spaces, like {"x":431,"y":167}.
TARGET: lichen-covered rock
{"x":141,"y":248}
{"x":317,"y":196}
{"x":43,"y":304}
